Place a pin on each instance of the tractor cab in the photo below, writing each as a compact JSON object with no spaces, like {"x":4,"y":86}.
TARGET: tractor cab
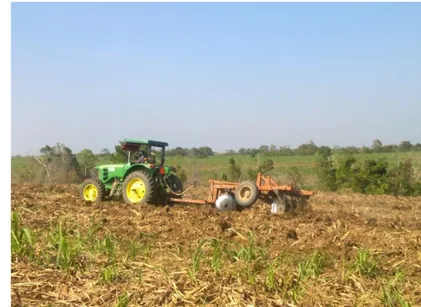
{"x":144,"y":151}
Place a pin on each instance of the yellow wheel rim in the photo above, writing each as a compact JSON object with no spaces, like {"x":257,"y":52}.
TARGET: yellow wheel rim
{"x":135,"y":190}
{"x":90,"y":192}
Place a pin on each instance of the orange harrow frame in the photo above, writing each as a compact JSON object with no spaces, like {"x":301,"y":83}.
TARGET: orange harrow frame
{"x":266,"y":185}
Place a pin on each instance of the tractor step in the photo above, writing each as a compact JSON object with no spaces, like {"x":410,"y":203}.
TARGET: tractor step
{"x":116,"y":189}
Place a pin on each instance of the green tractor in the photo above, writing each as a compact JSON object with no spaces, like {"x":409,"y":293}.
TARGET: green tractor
{"x":141,"y":180}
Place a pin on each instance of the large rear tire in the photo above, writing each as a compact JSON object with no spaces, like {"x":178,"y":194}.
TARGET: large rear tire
{"x":246,"y":193}
{"x":93,"y":190}
{"x":139,"y":188}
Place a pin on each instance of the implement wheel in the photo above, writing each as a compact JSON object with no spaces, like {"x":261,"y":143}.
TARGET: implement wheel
{"x":139,"y":188}
{"x":92,"y":190}
{"x":246,"y":193}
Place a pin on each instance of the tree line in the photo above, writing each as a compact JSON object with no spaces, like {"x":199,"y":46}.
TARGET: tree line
{"x":305,"y":149}
{"x":58,"y":164}
{"x":310,"y":148}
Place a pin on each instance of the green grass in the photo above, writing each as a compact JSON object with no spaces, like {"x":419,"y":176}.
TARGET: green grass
{"x":123,"y":300}
{"x":271,"y":272}
{"x":366,"y":263}
{"x":21,"y":238}
{"x":108,"y":274}
{"x":311,"y":267}
{"x":196,"y":259}
{"x":18,"y":162}
{"x":216,"y":259}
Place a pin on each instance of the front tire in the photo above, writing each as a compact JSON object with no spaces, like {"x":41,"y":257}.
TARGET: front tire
{"x":92,"y":190}
{"x":139,"y":188}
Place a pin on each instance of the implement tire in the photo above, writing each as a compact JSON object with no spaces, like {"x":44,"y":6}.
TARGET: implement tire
{"x":246,"y":193}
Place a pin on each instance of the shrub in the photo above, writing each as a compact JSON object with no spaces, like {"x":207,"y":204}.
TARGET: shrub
{"x":401,"y":179}
{"x":371,"y":177}
{"x":235,"y":170}
{"x":368,"y":177}
{"x":263,"y":168}
{"x":347,"y":171}
{"x":326,"y":172}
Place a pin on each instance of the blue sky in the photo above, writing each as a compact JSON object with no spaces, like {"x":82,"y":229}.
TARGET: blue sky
{"x":225,"y":75}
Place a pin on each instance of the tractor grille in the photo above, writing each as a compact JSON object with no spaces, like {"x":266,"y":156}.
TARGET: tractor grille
{"x":105,"y":174}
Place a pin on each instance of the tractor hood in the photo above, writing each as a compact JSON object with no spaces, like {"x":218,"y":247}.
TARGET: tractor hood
{"x":110,"y":166}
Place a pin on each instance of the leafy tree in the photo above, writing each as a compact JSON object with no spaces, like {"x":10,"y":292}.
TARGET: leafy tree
{"x":193,"y":152}
{"x":285,"y":151}
{"x":417,"y":147}
{"x":59,"y":163}
{"x":307,"y":149}
{"x":86,"y":159}
{"x":273,"y":150}
{"x":120,"y":156}
{"x":349,"y":150}
{"x":365,"y":149}
{"x":389,"y":148}
{"x":205,"y":152}
{"x":230,"y":152}
{"x":180,"y":151}
{"x":263,"y":149}
{"x":405,"y":146}
{"x":377,"y":145}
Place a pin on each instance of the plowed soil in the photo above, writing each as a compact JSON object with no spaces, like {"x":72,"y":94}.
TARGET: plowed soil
{"x":342,"y":250}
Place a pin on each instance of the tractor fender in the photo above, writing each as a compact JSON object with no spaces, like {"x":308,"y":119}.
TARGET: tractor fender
{"x":136,"y":167}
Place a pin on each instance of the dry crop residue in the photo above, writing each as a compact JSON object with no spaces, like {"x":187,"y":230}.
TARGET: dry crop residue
{"x":343,"y":250}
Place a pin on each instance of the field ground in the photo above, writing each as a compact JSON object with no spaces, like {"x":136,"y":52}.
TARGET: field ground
{"x":342,"y":250}
{"x":201,"y":170}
